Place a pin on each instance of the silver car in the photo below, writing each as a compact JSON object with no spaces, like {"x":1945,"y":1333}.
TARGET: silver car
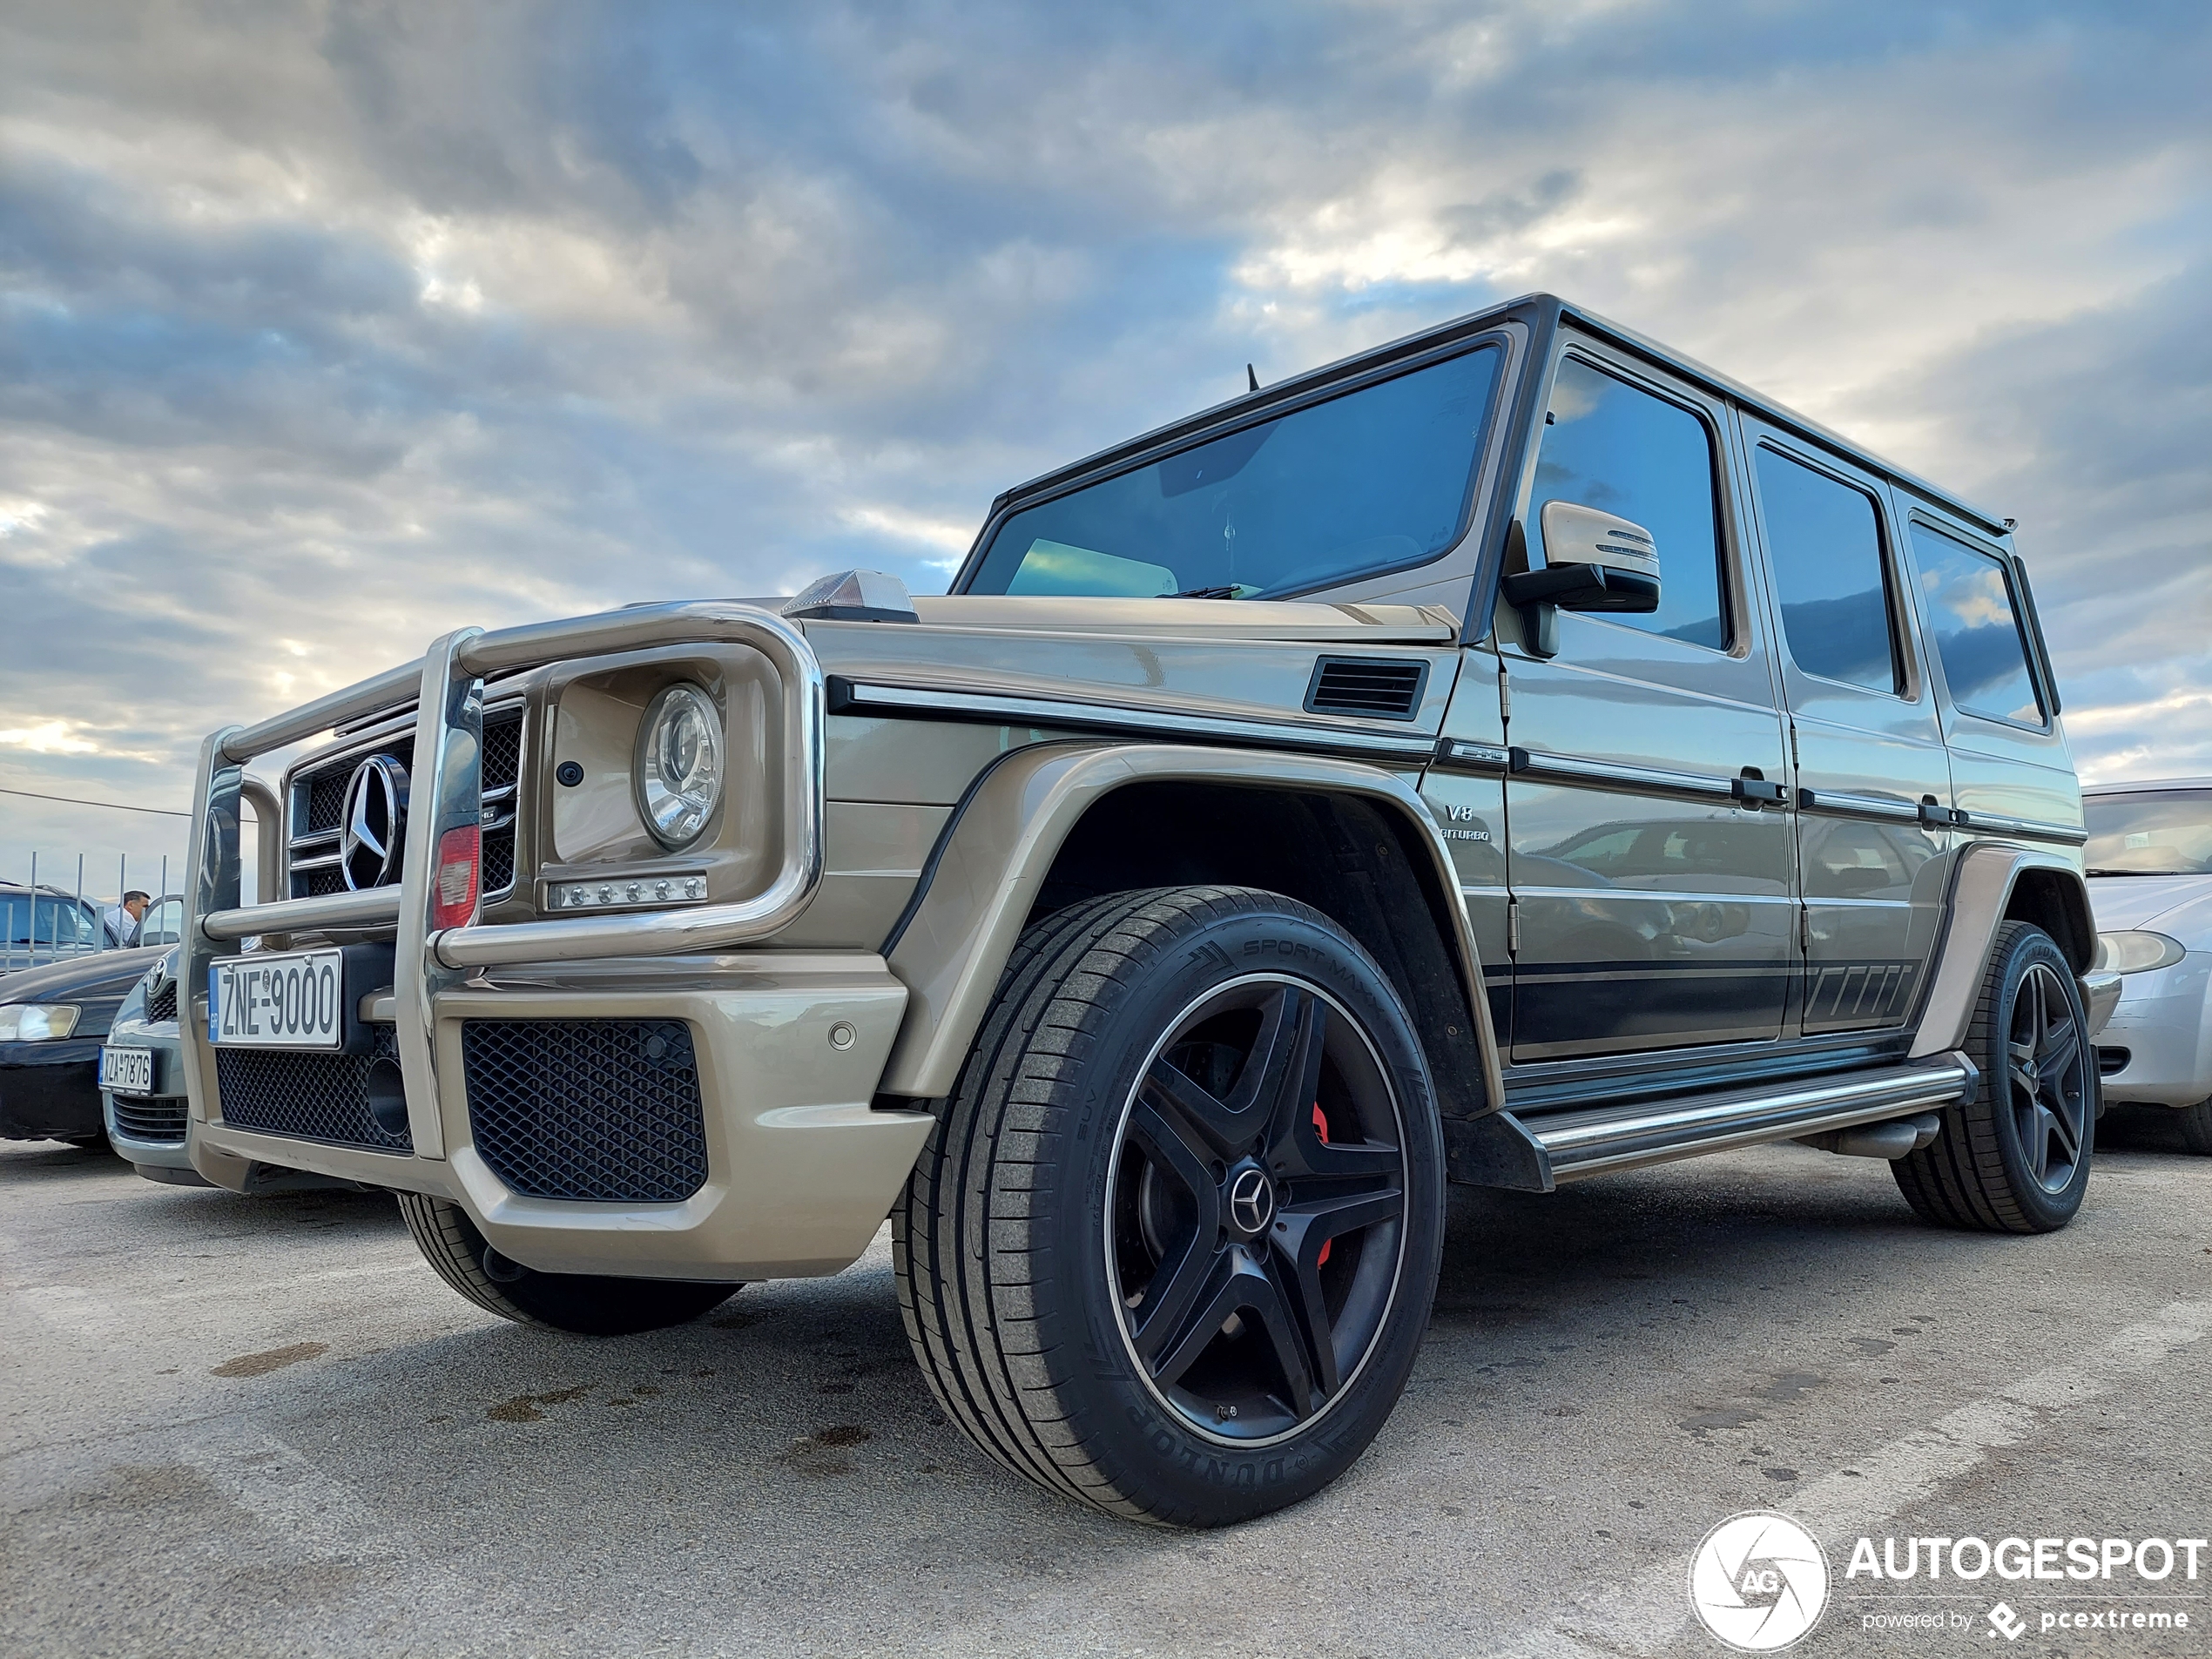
{"x":142,"y":1087}
{"x":2150,"y":877}
{"x":142,"y":1081}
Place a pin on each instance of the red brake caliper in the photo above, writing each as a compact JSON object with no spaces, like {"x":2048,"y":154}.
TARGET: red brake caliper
{"x":1321,"y":1127}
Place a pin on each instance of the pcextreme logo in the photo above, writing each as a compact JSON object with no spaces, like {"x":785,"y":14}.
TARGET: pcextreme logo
{"x":1758,"y":1582}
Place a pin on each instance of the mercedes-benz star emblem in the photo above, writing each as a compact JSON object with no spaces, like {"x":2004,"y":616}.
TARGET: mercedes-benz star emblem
{"x":374,"y":824}
{"x":1251,"y":1201}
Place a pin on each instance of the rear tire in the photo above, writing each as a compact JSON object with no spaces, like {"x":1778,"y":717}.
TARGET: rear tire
{"x":585,"y":1304}
{"x":1171,"y":1247}
{"x":2015,"y":1155}
{"x":2196,"y":1128}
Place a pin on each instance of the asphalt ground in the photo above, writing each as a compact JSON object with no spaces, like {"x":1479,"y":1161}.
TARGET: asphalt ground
{"x":244,"y":1426}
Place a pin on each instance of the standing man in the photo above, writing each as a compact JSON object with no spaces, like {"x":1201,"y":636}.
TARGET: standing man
{"x":121,"y":921}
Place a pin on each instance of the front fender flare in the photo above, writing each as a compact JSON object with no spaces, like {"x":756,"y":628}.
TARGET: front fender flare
{"x":985,"y":879}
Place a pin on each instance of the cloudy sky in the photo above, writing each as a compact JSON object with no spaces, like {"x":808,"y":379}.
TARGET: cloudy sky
{"x":326,"y":327}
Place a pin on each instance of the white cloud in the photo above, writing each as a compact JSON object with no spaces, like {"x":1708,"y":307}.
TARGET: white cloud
{"x":322,"y":330}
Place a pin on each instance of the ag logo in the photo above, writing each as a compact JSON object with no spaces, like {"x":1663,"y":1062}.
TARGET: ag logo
{"x":1758,"y":1582}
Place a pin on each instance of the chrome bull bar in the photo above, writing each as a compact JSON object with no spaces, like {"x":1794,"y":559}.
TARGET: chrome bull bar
{"x":447,"y":687}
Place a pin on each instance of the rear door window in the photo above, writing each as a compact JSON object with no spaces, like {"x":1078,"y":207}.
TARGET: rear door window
{"x":1976,"y":623}
{"x":1824,"y":542}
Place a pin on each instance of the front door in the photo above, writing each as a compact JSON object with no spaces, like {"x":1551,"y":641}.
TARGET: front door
{"x":1652,"y":906}
{"x":1874,"y":778}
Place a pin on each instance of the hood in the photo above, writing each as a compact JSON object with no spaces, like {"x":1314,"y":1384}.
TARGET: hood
{"x":1048,"y":661}
{"x":100,"y":972}
{"x":2170,"y":903}
{"x":1193,"y":618}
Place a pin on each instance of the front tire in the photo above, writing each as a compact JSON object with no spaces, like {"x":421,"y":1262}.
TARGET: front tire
{"x":1170,"y":1250}
{"x":2014,"y":1157}
{"x":585,"y":1304}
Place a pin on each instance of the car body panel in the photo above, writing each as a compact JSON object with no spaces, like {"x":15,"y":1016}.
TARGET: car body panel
{"x":51,"y":1090}
{"x":964,"y":742}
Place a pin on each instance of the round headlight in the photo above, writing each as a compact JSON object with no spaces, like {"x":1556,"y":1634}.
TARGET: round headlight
{"x":2137,"y":952}
{"x":678,"y":768}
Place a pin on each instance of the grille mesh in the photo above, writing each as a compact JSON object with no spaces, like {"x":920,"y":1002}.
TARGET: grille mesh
{"x":502,"y":749}
{"x":311,"y":1097}
{"x":161,"y":1001}
{"x":326,"y":796}
{"x":150,"y":1120}
{"x":605,"y":1111}
{"x":503,"y":768}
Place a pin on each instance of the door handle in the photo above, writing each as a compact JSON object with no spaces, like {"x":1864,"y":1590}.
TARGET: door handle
{"x":1756,"y":791}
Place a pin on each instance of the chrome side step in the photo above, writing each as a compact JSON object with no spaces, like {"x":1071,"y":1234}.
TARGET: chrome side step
{"x":1576,"y":1144}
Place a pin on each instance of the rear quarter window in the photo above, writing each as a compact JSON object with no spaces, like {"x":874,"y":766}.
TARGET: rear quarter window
{"x":1973,"y":615}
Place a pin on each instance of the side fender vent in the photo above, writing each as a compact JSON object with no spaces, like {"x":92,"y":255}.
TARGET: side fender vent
{"x":1371,"y":688}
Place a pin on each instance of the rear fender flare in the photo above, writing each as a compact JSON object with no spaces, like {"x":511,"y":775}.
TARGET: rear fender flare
{"x":1983,"y":887}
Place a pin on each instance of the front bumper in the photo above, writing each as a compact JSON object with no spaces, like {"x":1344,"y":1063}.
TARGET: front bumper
{"x":139,"y":1126}
{"x":49,"y":1090}
{"x":799,"y":1170}
{"x":626,"y":1048}
{"x":2164,"y":1024}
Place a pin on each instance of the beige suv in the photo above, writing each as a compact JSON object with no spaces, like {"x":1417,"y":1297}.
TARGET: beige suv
{"x":1506,"y":756}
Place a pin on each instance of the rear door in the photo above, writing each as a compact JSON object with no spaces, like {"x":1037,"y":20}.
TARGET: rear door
{"x":1872,"y":776}
{"x":1651,"y":908}
{"x":2012,"y":773}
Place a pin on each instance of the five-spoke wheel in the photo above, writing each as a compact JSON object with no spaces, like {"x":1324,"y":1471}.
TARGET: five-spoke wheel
{"x":2014,"y":1157}
{"x":2052,"y":1093}
{"x":1255,"y":1217}
{"x":1171,"y":1247}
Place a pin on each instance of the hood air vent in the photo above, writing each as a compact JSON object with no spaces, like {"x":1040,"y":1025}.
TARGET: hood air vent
{"x":1372,"y":688}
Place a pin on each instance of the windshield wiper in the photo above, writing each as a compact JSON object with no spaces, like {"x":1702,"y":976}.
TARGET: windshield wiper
{"x":2093,"y":871}
{"x":1229,"y":592}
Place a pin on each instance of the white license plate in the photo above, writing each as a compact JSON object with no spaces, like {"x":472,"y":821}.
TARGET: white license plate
{"x":127,"y":1071}
{"x":290,"y":1002}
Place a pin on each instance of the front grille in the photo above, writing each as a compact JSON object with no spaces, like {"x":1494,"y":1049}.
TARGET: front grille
{"x":603,"y":1110}
{"x":161,"y":1001}
{"x":503,"y":777}
{"x":310,"y":1096}
{"x":1386,"y":689}
{"x":319,"y":806}
{"x":149,"y":1120}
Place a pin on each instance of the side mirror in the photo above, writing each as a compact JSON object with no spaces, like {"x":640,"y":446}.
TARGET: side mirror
{"x":1593,"y":561}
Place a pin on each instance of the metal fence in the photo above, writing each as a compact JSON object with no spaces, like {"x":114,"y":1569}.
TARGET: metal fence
{"x":52,"y":915}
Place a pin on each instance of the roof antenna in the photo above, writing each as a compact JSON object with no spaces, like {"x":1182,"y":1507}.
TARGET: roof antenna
{"x":1251,"y":379}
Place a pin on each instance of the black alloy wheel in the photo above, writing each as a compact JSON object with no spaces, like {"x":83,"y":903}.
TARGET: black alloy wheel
{"x":1170,"y":1250}
{"x":1255,"y":1217}
{"x":2015,"y":1155}
{"x":2051,"y":1089}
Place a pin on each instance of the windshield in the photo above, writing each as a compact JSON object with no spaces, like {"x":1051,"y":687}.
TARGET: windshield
{"x":57,"y":922}
{"x":2161,"y":832}
{"x":1372,"y":481}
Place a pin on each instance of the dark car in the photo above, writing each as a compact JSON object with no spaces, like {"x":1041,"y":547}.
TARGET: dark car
{"x":51,"y":1022}
{"x":44,"y":923}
